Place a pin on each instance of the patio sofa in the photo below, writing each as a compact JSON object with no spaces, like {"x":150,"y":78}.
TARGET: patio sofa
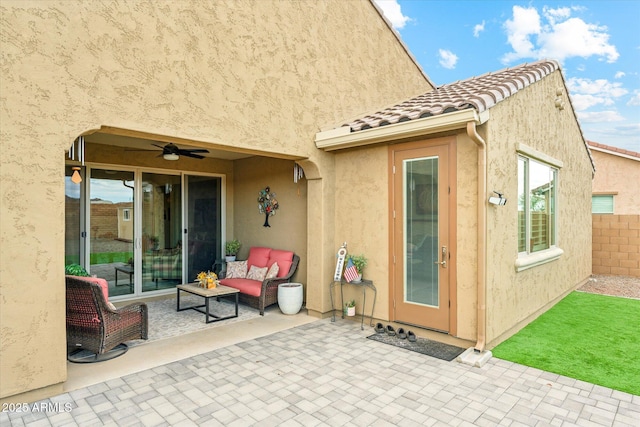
{"x":258,"y":277}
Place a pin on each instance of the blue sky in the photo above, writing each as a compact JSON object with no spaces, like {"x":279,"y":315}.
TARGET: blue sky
{"x":597,"y":44}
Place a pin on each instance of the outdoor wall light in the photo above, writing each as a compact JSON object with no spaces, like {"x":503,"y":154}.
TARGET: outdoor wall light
{"x":76,"y":178}
{"x":500,"y":200}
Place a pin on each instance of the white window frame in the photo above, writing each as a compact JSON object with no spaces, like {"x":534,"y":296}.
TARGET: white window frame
{"x":527,"y":258}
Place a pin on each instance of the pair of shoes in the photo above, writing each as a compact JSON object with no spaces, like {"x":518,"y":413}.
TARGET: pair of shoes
{"x":402,"y":334}
{"x":411,"y":336}
{"x":379,"y":328}
{"x":390,"y":330}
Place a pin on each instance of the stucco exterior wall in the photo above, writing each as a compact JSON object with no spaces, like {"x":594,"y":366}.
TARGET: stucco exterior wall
{"x":467,"y":237}
{"x":288,"y":227}
{"x":530,"y":117}
{"x":620,"y":176}
{"x":228,"y":73}
{"x":362,"y":220}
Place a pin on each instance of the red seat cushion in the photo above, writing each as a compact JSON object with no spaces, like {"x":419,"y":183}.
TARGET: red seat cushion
{"x":284,"y":260}
{"x":245,"y":286}
{"x":258,"y":256}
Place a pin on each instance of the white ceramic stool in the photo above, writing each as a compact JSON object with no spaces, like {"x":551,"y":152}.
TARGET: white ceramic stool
{"x":290,"y":297}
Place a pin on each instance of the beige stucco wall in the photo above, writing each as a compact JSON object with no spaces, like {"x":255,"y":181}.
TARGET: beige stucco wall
{"x":467,"y":237}
{"x":228,"y":73}
{"x":530,"y":117}
{"x":362,"y":220}
{"x":620,"y":176}
{"x":288,"y":227}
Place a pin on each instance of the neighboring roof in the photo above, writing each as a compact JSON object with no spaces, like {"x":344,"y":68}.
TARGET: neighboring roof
{"x":480,"y":93}
{"x":634,"y":155}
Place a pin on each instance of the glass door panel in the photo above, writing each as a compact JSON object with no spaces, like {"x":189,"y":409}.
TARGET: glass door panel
{"x":73,"y":219}
{"x":204,"y":224}
{"x":421,"y":229}
{"x":161,"y":231}
{"x":111,"y":227}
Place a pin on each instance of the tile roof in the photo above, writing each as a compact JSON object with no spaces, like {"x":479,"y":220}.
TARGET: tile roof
{"x":481,"y":93}
{"x":614,"y":149}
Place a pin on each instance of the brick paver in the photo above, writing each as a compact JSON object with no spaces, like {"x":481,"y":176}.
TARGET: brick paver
{"x":329,"y":374}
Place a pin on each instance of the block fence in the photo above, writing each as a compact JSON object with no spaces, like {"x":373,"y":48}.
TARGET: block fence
{"x":616,"y":245}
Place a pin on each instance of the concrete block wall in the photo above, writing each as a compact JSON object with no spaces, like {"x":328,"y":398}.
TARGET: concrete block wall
{"x":616,"y":245}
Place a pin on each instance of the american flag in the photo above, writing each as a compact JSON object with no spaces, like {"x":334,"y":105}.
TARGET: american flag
{"x":350,"y":273}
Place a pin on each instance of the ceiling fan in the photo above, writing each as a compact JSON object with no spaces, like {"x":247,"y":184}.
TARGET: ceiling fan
{"x":172,"y":152}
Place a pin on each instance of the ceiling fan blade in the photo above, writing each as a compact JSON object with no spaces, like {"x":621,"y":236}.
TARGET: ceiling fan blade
{"x":190,"y":154}
{"x":195,"y":150}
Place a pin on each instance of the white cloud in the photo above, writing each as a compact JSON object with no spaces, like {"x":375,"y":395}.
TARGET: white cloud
{"x":448,"y":59}
{"x":554,"y":15}
{"x":599,"y":116}
{"x":557,"y":36}
{"x":477,"y":29}
{"x":392,"y":11}
{"x":620,"y":74}
{"x":586,"y":93}
{"x":526,"y":22}
{"x":635,"y":99}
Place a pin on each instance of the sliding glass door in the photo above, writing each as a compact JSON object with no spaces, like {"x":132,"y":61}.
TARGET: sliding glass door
{"x":142,"y":231}
{"x":161,"y":225}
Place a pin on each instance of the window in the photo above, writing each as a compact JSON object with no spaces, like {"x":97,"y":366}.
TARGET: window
{"x":126,"y":214}
{"x":602,"y":204}
{"x":537,"y":205}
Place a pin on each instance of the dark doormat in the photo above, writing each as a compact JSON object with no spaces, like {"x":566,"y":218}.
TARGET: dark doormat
{"x":421,"y":345}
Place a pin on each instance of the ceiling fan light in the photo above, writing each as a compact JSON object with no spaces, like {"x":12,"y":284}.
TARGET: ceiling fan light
{"x":171,"y":156}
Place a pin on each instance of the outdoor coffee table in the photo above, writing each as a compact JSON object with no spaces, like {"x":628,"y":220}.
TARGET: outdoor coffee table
{"x":217,"y":292}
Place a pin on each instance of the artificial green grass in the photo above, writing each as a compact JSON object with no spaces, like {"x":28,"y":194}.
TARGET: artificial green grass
{"x":589,"y":337}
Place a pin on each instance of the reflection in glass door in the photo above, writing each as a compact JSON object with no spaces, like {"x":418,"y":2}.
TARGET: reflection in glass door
{"x":111,"y":227}
{"x":73,"y":230}
{"x":421,"y":226}
{"x":161,"y":231}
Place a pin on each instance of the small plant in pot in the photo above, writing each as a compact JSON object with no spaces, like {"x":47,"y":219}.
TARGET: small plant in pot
{"x":360,"y":261}
{"x":350,"y":308}
{"x":231,"y":249}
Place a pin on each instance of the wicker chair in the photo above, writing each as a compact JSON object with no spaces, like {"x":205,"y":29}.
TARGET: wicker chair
{"x":96,"y":328}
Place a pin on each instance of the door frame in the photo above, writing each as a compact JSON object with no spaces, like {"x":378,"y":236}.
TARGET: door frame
{"x":451,"y":143}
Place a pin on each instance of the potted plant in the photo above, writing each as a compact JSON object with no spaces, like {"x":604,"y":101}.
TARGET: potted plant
{"x":350,"y":308}
{"x":231,"y":249}
{"x":360,"y":262}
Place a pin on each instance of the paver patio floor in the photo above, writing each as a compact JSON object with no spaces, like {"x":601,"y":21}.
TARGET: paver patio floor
{"x":329,"y":374}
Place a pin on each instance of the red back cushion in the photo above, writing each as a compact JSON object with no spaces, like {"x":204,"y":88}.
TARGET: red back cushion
{"x":102,"y":282}
{"x":284,"y":260}
{"x":258,"y":256}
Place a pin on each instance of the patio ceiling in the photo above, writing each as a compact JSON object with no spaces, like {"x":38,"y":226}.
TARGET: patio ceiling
{"x":135,"y":143}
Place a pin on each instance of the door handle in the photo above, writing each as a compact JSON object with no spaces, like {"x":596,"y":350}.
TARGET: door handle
{"x":443,"y":263}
